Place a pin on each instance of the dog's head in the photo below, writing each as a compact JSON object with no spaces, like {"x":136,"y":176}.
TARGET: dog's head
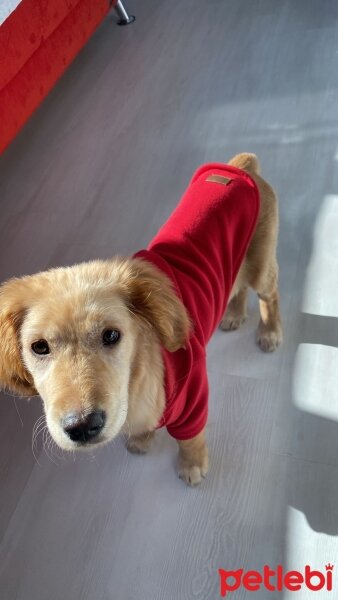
{"x":72,"y":336}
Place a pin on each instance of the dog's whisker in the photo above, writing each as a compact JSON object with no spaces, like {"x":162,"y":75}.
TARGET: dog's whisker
{"x":40,"y":421}
{"x":45,"y":438}
{"x":49,"y":453}
{"x":54,"y":449}
{"x":39,"y":429}
{"x":35,"y":440}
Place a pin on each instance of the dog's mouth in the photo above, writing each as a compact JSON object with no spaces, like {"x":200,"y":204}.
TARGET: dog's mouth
{"x":87,"y":444}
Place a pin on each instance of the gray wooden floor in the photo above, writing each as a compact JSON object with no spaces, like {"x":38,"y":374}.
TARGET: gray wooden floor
{"x":96,"y":171}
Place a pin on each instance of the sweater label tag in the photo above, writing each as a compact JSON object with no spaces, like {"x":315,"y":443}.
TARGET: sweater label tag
{"x":219,"y":179}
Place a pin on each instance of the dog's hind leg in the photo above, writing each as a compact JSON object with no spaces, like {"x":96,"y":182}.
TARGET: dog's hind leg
{"x":269,"y":332}
{"x":235,"y":313}
{"x":259,"y":269}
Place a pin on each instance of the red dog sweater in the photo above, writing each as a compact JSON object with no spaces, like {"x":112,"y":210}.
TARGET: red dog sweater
{"x":200,"y":248}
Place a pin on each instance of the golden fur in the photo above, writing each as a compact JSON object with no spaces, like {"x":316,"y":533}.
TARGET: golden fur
{"x":70,"y":307}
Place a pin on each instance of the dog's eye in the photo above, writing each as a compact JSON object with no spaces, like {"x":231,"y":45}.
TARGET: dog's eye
{"x":110,"y":337}
{"x":40,"y":347}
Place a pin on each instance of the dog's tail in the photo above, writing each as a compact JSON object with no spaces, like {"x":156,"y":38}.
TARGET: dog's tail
{"x":247,"y":162}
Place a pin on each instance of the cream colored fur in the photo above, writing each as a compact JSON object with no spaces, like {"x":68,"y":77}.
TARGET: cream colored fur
{"x":70,"y":307}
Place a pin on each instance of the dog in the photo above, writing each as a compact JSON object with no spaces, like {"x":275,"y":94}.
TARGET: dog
{"x":118,"y":346}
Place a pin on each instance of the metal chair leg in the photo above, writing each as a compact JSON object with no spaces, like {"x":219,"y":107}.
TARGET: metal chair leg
{"x":124,"y":18}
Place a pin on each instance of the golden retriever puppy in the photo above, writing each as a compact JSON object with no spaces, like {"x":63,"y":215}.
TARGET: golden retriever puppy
{"x":119,"y":345}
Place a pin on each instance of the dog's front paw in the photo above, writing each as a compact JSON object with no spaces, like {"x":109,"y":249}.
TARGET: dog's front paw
{"x":192,"y":472}
{"x":232,"y":322}
{"x":269,"y":339}
{"x":140,"y":444}
{"x":192,"y":475}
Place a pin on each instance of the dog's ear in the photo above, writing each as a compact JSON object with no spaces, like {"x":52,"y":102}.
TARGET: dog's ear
{"x":150,"y":296}
{"x":13,"y":374}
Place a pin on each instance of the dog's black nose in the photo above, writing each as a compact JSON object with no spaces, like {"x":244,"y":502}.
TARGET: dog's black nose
{"x":82,"y":428}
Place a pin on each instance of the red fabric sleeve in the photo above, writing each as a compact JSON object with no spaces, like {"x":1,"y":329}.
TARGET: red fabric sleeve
{"x":194,"y":399}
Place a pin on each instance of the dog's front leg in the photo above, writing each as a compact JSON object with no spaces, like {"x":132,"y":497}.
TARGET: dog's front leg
{"x":140,"y":444}
{"x":193,"y":459}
